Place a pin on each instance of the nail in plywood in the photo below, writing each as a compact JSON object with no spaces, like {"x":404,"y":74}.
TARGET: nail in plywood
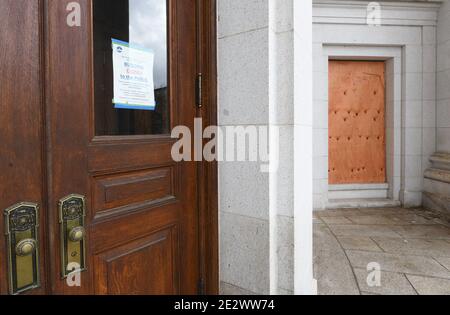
{"x":357,"y":145}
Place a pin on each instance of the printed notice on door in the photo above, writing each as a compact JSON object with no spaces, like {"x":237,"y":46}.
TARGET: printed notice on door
{"x":133,"y":76}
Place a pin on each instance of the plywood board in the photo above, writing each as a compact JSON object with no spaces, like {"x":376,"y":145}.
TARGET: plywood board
{"x":357,"y":134}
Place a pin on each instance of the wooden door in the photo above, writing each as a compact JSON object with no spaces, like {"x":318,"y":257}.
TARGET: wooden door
{"x":357,"y":145}
{"x":22,"y":164}
{"x":142,"y":214}
{"x":110,"y":195}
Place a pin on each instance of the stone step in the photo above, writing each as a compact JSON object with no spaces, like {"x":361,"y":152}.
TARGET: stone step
{"x":363,"y":191}
{"x":441,"y":161}
{"x":362,"y":203}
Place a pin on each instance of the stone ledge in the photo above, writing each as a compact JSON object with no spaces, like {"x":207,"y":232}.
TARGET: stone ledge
{"x":362,"y":203}
{"x":438,"y":175}
{"x":440,"y":169}
{"x":399,"y":13}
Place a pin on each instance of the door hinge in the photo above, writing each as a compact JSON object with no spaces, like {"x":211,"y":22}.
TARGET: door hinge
{"x":199,"y":90}
{"x":201,"y":287}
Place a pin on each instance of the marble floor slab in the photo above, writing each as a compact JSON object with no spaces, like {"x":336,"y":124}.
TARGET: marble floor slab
{"x":406,"y":251}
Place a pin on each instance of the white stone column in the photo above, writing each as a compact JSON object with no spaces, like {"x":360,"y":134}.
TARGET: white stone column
{"x":281,"y":117}
{"x":303,"y":152}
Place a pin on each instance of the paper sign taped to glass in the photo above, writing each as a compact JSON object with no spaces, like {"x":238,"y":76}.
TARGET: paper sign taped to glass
{"x":133,"y":76}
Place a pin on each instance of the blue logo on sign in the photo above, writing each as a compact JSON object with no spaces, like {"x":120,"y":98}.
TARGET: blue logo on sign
{"x":119,"y":49}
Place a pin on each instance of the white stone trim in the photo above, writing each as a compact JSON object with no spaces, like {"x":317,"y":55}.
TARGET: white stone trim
{"x":393,"y":13}
{"x":362,"y":191}
{"x":393,"y":58}
{"x":303,"y":152}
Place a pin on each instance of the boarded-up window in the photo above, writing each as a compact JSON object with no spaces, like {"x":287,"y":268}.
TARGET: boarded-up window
{"x":357,"y":145}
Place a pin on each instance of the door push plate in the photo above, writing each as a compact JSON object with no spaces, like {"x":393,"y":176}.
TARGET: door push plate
{"x":72,"y":213}
{"x":22,"y":235}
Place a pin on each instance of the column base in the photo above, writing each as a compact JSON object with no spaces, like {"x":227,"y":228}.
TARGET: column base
{"x":436,"y":195}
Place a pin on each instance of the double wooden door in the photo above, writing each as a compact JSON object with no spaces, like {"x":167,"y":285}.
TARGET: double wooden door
{"x":93,"y":200}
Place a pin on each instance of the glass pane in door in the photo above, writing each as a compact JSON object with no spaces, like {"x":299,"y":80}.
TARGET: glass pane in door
{"x":131,"y":67}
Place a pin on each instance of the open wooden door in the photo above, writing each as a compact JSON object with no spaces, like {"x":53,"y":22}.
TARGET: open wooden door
{"x":141,"y":207}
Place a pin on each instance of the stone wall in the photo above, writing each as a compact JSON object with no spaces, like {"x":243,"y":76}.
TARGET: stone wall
{"x":443,"y":79}
{"x":264,"y":81}
{"x":437,"y":177}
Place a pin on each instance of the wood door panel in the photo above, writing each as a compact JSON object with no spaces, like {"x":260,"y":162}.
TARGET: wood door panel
{"x":104,"y":157}
{"x":113,"y":229}
{"x":357,"y":145}
{"x":118,"y":190}
{"x":145,"y":266}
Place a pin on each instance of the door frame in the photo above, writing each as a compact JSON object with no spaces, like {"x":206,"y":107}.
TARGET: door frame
{"x":392,"y":56}
{"x":208,"y":200}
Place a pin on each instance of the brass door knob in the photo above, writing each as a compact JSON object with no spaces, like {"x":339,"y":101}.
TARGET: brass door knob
{"x":26,"y":247}
{"x":77,"y":234}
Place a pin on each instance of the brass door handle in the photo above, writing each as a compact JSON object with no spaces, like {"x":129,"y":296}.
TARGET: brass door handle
{"x":22,"y":235}
{"x":77,"y":234}
{"x":72,"y":212}
{"x":26,"y":247}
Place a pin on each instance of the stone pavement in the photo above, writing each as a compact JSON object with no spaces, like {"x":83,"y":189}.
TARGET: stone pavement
{"x":412,"y":248}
